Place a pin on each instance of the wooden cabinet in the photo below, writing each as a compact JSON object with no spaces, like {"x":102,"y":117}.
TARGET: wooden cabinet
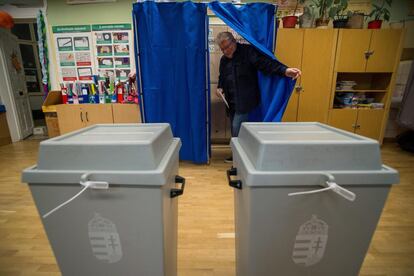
{"x":72,"y":117}
{"x":95,"y":114}
{"x":312,"y":51}
{"x":383,"y":50}
{"x":343,"y":118}
{"x":330,"y":57}
{"x":126,"y":113}
{"x":352,"y":46}
{"x":369,"y":123}
{"x":317,"y":66}
{"x":369,"y":87}
{"x":364,"y":122}
{"x":368,"y":58}
{"x":367,"y":50}
{"x":289,"y":48}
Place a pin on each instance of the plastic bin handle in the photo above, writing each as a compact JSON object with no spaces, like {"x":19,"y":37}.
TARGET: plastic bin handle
{"x":233,"y":183}
{"x":332,"y":186}
{"x":178,"y":192}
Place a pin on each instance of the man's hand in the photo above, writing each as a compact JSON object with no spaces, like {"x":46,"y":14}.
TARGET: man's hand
{"x":219,"y":92}
{"x":293,"y":73}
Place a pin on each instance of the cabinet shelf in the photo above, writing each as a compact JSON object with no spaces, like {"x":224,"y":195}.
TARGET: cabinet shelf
{"x":362,"y":91}
{"x":358,"y":108}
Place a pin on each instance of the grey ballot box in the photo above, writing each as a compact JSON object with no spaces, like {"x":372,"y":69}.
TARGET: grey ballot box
{"x":308,"y":198}
{"x":123,"y":220}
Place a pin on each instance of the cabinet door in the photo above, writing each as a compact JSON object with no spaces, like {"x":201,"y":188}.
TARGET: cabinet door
{"x":70,"y":117}
{"x":218,"y":116}
{"x":97,"y":114}
{"x":384,"y":49}
{"x":289,"y":47}
{"x":369,"y":123}
{"x":317,"y":73}
{"x":343,"y":118}
{"x":352,"y":46}
{"x":126,"y":113}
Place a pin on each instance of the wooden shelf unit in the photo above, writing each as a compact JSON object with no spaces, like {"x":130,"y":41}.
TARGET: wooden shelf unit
{"x":370,"y":58}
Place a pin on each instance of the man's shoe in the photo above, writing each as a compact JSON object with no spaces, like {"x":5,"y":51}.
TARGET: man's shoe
{"x":229,"y":160}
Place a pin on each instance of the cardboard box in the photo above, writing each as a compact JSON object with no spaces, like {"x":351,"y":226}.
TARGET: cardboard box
{"x":52,"y":124}
{"x":49,"y":109}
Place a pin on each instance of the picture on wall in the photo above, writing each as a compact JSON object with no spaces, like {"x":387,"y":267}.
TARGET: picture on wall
{"x":74,"y":52}
{"x":66,"y":59}
{"x":99,"y":49}
{"x":69,"y":74}
{"x":106,"y":73}
{"x":83,"y":59}
{"x":105,"y":62}
{"x":65,"y":44}
{"x":114,"y":49}
{"x":121,"y":37}
{"x":121,"y":49}
{"x":85,"y":73}
{"x":81,"y":43}
{"x":122,"y":75}
{"x":122,"y":62}
{"x":103,"y":38}
{"x":105,"y":50}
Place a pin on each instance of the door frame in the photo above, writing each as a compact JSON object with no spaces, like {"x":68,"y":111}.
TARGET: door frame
{"x":6,"y":97}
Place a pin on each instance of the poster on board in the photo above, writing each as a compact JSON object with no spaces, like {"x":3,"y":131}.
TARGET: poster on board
{"x":113,"y":49}
{"x":74,"y":53}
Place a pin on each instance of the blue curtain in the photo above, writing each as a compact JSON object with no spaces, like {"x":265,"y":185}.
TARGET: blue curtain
{"x":255,"y":23}
{"x":174,"y":67}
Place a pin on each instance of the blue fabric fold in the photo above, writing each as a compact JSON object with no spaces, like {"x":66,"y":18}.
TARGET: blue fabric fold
{"x":255,"y":23}
{"x":172,"y":53}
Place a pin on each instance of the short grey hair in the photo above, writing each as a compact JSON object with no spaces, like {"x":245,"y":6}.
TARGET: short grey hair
{"x":224,"y":36}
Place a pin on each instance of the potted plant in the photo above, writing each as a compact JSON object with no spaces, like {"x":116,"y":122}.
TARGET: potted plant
{"x":291,"y":20}
{"x":337,"y":13}
{"x":379,"y":12}
{"x":307,"y":19}
{"x":322,"y":6}
{"x":355,"y":20}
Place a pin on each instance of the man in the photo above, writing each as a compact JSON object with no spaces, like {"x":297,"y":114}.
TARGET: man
{"x":238,"y":78}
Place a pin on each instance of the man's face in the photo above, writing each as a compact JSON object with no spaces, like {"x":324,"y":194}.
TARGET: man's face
{"x":228,"y":48}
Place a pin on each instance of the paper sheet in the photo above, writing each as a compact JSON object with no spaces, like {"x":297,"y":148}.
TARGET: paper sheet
{"x":224,"y":100}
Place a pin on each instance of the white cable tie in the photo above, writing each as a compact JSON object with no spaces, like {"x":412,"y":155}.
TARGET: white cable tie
{"x":64,"y":203}
{"x":87,"y":184}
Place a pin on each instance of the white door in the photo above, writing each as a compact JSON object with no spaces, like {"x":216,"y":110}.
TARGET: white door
{"x":16,"y":89}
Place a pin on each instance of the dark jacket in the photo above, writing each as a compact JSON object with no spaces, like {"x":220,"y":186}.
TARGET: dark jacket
{"x":238,"y":76}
